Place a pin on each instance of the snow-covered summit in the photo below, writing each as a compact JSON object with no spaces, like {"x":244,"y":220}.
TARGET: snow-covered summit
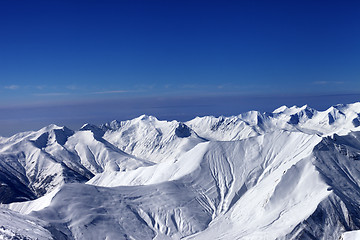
{"x":152,"y":139}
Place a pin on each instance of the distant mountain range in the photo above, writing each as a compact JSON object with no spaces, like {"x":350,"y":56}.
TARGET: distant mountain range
{"x":290,"y":174}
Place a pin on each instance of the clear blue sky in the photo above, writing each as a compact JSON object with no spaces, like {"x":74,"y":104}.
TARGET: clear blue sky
{"x":62,"y":54}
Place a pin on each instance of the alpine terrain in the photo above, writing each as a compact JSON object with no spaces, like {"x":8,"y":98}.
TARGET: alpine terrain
{"x":293,"y":173}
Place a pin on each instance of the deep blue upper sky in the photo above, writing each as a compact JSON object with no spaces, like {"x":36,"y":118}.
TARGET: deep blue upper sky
{"x":79,"y":52}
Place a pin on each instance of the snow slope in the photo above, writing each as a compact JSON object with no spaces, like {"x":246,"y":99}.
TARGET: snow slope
{"x":21,"y":227}
{"x":290,"y":174}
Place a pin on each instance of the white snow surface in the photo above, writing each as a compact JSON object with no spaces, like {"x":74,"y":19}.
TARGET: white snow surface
{"x":351,"y":235}
{"x":293,"y":173}
{"x":151,"y":139}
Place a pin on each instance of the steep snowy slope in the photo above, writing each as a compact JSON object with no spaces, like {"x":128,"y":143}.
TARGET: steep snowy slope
{"x":97,"y":154}
{"x":29,"y":167}
{"x":20,"y":227}
{"x":35,"y":163}
{"x":337,"y":160}
{"x":316,"y":198}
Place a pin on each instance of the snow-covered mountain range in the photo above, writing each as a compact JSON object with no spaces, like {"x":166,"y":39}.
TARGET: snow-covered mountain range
{"x":290,"y":174}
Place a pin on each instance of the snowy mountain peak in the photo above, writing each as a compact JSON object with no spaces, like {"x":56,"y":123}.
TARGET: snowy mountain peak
{"x":52,"y":134}
{"x":145,"y":117}
{"x":280,"y":109}
{"x":305,"y":107}
{"x":113,"y":125}
{"x":51,"y":127}
{"x":305,"y":113}
{"x":97,"y":131}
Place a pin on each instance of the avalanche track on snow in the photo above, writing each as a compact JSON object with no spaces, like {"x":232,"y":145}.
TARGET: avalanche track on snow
{"x":290,"y":174}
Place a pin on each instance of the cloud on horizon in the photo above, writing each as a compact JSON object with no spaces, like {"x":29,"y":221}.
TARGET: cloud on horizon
{"x":113,"y":91}
{"x":51,"y":94}
{"x":327,"y":82}
{"x":12,"y":87}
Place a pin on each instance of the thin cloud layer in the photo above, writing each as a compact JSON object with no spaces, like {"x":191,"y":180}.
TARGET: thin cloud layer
{"x":52,"y":94}
{"x":12,"y":87}
{"x":75,"y":113}
{"x":110,"y":92}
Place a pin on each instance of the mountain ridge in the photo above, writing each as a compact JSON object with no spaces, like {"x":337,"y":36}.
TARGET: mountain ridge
{"x":289,"y":174}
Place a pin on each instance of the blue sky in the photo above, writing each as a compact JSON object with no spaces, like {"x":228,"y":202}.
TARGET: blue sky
{"x":93,"y":54}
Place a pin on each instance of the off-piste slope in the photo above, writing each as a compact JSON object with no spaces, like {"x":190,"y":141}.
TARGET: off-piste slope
{"x":289,"y":174}
{"x":337,"y":160}
{"x":316,"y":198}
